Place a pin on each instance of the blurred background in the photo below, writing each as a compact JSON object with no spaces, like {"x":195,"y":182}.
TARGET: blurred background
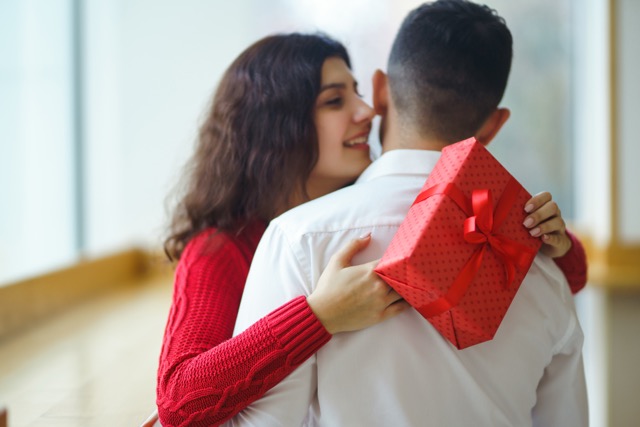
{"x":100,"y":102}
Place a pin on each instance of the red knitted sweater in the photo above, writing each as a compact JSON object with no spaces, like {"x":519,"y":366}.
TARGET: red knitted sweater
{"x":574,"y":265}
{"x":205,"y":376}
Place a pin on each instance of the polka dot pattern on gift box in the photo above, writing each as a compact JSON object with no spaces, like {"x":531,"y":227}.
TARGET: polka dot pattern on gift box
{"x":429,"y":250}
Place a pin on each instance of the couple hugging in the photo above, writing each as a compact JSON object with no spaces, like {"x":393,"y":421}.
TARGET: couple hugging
{"x":283,"y":209}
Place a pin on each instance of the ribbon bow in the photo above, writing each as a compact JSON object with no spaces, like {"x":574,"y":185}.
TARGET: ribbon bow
{"x":480,"y":229}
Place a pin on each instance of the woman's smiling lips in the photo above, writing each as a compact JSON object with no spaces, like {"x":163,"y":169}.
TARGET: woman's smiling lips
{"x":359,"y":142}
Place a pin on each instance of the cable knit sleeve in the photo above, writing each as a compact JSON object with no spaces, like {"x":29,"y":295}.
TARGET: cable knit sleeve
{"x":205,"y":376}
{"x":574,"y":265}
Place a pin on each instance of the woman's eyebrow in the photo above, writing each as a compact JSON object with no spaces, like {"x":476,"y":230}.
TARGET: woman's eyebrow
{"x":333,"y":86}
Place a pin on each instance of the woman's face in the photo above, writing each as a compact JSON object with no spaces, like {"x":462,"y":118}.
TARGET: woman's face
{"x":343,"y":122}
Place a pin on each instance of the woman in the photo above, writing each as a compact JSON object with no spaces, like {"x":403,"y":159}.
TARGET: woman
{"x":280,"y":131}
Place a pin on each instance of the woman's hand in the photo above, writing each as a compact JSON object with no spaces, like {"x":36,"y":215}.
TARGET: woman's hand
{"x":349,"y":298}
{"x":545,"y":221}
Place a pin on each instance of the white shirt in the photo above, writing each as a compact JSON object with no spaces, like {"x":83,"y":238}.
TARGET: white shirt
{"x":402,"y":372}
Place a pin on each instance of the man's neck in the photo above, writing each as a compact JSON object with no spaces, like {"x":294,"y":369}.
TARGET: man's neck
{"x":404,"y":141}
{"x":397,"y":136}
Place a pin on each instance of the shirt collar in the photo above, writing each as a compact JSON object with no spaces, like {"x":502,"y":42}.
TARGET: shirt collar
{"x":401,"y":162}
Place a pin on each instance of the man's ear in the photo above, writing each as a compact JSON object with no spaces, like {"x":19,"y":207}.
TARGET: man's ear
{"x":380,"y":92}
{"x":492,"y":125}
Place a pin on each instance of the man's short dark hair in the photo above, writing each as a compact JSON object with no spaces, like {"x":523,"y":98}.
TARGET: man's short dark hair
{"x":448,"y":68}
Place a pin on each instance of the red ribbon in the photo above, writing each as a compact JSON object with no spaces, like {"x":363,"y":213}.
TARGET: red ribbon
{"x":479,"y":229}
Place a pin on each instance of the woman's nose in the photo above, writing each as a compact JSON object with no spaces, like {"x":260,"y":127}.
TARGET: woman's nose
{"x":363,"y":112}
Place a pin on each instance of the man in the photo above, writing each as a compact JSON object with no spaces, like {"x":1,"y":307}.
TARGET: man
{"x":447,"y":72}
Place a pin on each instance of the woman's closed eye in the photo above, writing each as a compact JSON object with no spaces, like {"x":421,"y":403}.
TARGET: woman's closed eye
{"x":335,"y":102}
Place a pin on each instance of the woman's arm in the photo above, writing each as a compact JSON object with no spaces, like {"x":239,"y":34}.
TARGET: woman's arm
{"x":545,"y":221}
{"x":574,"y":264}
{"x":206,"y":377}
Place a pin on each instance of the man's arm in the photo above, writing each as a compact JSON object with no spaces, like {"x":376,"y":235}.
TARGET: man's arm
{"x":277,"y":275}
{"x":562,"y":394}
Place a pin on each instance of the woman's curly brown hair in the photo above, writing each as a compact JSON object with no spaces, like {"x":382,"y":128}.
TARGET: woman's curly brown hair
{"x":258,"y":143}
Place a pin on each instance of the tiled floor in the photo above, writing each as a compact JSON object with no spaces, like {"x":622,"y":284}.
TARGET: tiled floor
{"x":91,"y":366}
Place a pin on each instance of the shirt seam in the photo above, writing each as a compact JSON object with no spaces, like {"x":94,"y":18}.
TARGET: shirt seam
{"x":567,"y":335}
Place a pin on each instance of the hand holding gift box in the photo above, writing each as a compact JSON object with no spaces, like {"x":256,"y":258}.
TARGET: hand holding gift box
{"x":462,"y":252}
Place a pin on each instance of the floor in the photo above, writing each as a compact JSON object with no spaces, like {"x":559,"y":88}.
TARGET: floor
{"x":92,"y":366}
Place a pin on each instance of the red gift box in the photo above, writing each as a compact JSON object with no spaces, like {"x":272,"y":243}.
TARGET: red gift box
{"x":462,"y":252}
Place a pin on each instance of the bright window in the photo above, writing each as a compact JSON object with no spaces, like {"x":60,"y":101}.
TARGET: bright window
{"x":37,"y":210}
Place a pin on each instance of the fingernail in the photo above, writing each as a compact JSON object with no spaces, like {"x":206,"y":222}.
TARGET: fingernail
{"x":528,"y":208}
{"x":535,"y":232}
{"x":545,"y":237}
{"x":365,"y":236}
{"x":528,"y":222}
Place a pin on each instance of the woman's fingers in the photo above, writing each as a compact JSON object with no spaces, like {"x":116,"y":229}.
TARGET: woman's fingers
{"x":536,"y":201}
{"x":351,"y":297}
{"x":545,"y":221}
{"x":552,"y":239}
{"x":395,"y":309}
{"x":550,"y":226}
{"x":393,"y":296}
{"x":541,"y":214}
{"x":344,"y":256}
